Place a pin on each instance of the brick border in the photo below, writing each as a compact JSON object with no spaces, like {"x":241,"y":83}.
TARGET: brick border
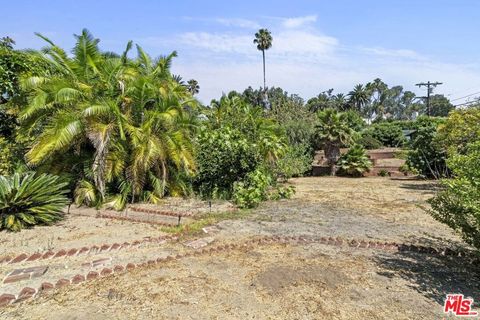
{"x":124,"y":218}
{"x":47,"y":287}
{"x":84,"y":250}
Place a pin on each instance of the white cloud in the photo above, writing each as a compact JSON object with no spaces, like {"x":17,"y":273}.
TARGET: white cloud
{"x":299,"y":21}
{"x":240,"y":23}
{"x":399,"y":53}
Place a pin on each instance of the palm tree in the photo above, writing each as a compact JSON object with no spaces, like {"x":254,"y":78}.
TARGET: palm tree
{"x":359,"y":97}
{"x":193,"y":87}
{"x":263,"y":40}
{"x":124,"y":117}
{"x":333,"y":131}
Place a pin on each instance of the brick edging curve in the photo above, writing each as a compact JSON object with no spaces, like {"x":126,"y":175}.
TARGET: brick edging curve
{"x":46,"y":287}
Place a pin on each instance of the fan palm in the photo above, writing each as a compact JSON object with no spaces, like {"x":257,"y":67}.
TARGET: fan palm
{"x":263,"y":40}
{"x":193,"y":87}
{"x":333,"y":132}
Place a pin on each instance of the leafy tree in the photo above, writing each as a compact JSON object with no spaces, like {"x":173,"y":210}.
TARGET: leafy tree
{"x":193,"y":86}
{"x":388,"y":133}
{"x":333,"y":132}
{"x":440,"y":105}
{"x":460,"y":128}
{"x":426,"y":155}
{"x":458,"y":205}
{"x":263,"y":40}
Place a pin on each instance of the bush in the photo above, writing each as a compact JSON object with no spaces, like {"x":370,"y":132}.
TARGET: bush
{"x":30,"y":199}
{"x":368,"y":141}
{"x":354,"y":162}
{"x":224,"y":156}
{"x":426,"y":155}
{"x":295,"y":162}
{"x":389,"y":134}
{"x":458,"y":205}
{"x":282,"y":192}
{"x":252,"y":190}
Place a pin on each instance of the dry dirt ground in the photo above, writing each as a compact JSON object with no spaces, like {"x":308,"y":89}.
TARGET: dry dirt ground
{"x":304,"y":281}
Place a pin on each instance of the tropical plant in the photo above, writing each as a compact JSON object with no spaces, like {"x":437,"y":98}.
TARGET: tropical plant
{"x":30,"y":199}
{"x":193,"y":87}
{"x":354,"y":162}
{"x":359,"y":97}
{"x":263,"y":40}
{"x":461,"y":128}
{"x":368,"y":141}
{"x":333,"y":132}
{"x":127,"y":117}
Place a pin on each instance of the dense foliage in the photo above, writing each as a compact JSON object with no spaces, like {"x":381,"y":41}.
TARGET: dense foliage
{"x":354,"y":162}
{"x":30,"y":199}
{"x":389,"y":134}
{"x":458,"y":205}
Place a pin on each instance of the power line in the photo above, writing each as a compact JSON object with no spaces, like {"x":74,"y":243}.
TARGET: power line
{"x":472,"y":94}
{"x":430,"y":86}
{"x":467,"y":103}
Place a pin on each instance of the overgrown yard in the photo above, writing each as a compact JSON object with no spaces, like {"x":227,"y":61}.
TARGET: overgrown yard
{"x":290,"y":281}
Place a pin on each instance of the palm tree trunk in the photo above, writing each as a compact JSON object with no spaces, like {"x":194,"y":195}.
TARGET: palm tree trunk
{"x":264,"y":82}
{"x":332,"y":153}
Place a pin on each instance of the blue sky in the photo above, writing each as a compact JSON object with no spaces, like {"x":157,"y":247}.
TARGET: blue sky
{"x":317,"y":45}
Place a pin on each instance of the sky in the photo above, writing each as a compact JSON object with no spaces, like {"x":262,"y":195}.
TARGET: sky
{"x":317,"y":45}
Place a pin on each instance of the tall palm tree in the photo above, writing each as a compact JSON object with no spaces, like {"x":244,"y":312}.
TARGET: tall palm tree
{"x":333,"y":131}
{"x":193,"y":87}
{"x":263,"y":40}
{"x":359,"y":97}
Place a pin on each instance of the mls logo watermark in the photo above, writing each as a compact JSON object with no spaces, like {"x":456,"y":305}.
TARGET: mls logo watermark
{"x":458,"y":305}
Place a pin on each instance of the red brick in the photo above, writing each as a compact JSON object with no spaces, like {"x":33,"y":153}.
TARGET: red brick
{"x":62,"y":283}
{"x":77,"y":279}
{"x":106,"y":272}
{"x":115,"y":246}
{"x":83,"y":250}
{"x":92,"y":275}
{"x":15,"y":278}
{"x":60,"y":253}
{"x":6,"y":299}
{"x":25,"y":294}
{"x":130,"y":266}
{"x":34,"y":257}
{"x":126,"y":244}
{"x":19,"y":258}
{"x":72,"y":252}
{"x":105,"y":247}
{"x":36,"y":271}
{"x":48,"y":254}
{"x":45,"y":286}
{"x":118,"y":268}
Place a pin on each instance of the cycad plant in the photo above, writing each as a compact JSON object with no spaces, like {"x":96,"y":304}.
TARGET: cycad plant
{"x":354,"y":162}
{"x":29,"y":199}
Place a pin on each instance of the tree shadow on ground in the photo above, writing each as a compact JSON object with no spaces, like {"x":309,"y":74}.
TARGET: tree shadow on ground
{"x":434,"y":276}
{"x":431,"y":186}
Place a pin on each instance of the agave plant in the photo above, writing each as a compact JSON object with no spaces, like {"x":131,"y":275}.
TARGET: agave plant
{"x":29,"y":199}
{"x":355,"y":162}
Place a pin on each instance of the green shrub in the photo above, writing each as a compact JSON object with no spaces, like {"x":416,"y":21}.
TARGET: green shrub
{"x":252,"y":190}
{"x":282,"y":192}
{"x":354,"y":162}
{"x":389,"y":134}
{"x":458,"y":205}
{"x":294,"y":163}
{"x":383,"y":173}
{"x":368,"y":141}
{"x":426,"y":155}
{"x":224,"y":156}
{"x":6,"y":157}
{"x":29,"y":199}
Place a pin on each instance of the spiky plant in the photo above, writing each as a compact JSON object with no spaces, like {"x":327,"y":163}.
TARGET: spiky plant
{"x":355,"y":162}
{"x":29,"y":199}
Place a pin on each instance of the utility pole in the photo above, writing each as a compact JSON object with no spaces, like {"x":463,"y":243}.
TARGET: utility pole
{"x":430,"y":86}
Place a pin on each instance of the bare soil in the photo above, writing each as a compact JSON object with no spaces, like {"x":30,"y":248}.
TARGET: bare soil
{"x":311,"y":281}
